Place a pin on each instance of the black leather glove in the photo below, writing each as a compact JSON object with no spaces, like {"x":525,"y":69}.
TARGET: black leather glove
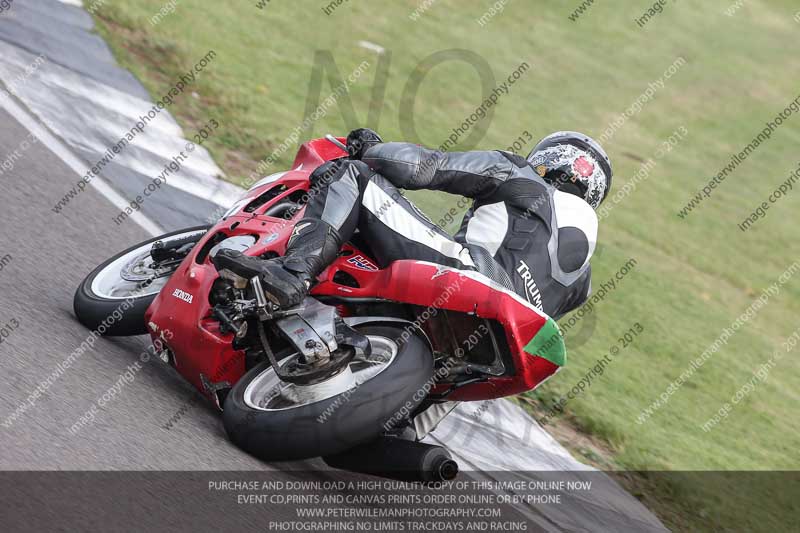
{"x":358,"y":141}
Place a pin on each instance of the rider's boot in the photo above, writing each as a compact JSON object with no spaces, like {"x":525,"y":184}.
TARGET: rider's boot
{"x":286,"y":280}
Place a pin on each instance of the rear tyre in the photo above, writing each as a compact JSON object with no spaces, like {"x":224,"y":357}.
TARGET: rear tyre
{"x":274,"y":421}
{"x":105,"y":295}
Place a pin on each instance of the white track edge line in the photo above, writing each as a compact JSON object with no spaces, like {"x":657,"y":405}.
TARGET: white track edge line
{"x":61,"y":151}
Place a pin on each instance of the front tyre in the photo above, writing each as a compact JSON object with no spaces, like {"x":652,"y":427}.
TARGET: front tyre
{"x":278,"y":421}
{"x":120,"y":290}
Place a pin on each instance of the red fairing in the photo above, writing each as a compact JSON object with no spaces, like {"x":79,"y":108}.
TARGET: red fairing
{"x":182,"y":308}
{"x":428,"y":285}
{"x":195,"y":340}
{"x":313,"y":153}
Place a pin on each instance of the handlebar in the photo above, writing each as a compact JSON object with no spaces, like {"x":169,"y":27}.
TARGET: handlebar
{"x":335,"y":141}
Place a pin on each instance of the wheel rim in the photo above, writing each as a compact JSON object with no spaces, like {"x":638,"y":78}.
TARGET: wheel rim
{"x":134,"y":274}
{"x":268,"y":393}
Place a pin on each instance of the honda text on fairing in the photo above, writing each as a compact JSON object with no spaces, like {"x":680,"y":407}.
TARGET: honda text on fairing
{"x":365,"y":353}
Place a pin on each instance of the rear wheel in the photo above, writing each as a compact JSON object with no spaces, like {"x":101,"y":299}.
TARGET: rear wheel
{"x":120,"y":290}
{"x":278,"y":421}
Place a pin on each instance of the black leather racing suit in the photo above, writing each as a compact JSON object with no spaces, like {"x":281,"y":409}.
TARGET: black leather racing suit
{"x":520,"y":231}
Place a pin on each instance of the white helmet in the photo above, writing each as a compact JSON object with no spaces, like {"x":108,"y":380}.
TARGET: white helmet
{"x":574,"y":163}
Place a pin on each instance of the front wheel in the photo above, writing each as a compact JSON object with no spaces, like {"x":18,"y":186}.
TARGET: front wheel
{"x":112,"y":299}
{"x":278,"y":421}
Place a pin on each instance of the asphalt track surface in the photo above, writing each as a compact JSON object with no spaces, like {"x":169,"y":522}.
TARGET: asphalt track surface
{"x":51,"y":253}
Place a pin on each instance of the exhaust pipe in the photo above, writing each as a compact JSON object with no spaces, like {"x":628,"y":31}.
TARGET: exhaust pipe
{"x":399,"y":459}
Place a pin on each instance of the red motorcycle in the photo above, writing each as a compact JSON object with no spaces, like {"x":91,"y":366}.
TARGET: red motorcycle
{"x":365,"y":353}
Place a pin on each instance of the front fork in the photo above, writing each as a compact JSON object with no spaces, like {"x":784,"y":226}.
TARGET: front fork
{"x":325,"y":343}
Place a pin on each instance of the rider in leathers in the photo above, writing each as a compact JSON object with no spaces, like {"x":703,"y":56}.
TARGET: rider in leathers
{"x":532,"y":226}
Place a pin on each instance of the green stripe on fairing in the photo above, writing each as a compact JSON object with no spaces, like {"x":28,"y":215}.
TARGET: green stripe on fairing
{"x":548,"y":343}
